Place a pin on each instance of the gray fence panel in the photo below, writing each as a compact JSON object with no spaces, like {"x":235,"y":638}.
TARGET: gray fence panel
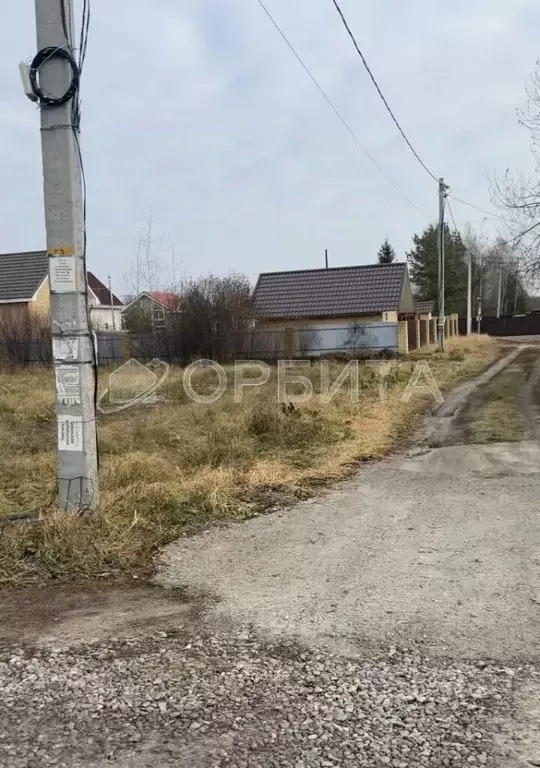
{"x":24,"y":352}
{"x":113,"y":347}
{"x":110,"y":348}
{"x":347,"y":339}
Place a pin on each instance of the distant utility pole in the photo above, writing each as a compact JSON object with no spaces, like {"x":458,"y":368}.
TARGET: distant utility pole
{"x":112,"y":303}
{"x":516,"y":287}
{"x":478,"y":314}
{"x":57,"y":71}
{"x":481,"y":266}
{"x":442,"y":195}
{"x":469,"y":293}
{"x":499,"y":291}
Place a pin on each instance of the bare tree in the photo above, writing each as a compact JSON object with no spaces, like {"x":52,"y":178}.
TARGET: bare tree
{"x":497,"y":277}
{"x":144,"y":274}
{"x":178,"y":276}
{"x":138,"y":318}
{"x":519,"y":195}
{"x":359,"y":336}
{"x":308,"y":341}
{"x":214,"y":318}
{"x":24,"y":336}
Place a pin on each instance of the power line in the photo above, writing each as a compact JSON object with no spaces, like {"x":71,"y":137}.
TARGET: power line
{"x":331,"y":103}
{"x":376,"y":84}
{"x":500,"y":242}
{"x":392,"y":115}
{"x":389,"y":109}
{"x":521,"y":234}
{"x":511,"y":240}
{"x":451,"y":213}
{"x":477,"y":208}
{"x":452,"y":238}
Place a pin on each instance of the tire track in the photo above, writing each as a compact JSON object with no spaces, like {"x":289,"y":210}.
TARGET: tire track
{"x":529,"y":396}
{"x":522,"y":374}
{"x":448,"y":424}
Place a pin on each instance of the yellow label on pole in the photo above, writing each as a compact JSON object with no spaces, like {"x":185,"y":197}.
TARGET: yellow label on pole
{"x":62,"y":250}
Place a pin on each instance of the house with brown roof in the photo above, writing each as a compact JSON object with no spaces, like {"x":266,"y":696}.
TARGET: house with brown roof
{"x":24,"y":287}
{"x":151,"y":311}
{"x":336,"y":308}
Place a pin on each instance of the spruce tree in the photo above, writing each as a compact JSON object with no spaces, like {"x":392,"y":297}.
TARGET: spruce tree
{"x":386,"y":253}
{"x":423,"y":268}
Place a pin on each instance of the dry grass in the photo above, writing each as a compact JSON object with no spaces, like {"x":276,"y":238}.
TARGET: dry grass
{"x":171,"y":468}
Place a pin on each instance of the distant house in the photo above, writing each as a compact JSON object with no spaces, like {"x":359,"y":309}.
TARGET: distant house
{"x":105,"y":306}
{"x":334,"y":308}
{"x":24,"y":285}
{"x":151,"y":310}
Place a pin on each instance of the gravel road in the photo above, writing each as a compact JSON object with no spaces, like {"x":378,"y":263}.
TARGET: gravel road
{"x":442,"y":548}
{"x":440,"y":545}
{"x":229,"y":700}
{"x":394,"y":621}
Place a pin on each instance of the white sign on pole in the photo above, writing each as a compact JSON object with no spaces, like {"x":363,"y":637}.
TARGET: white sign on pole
{"x":62,"y":275}
{"x":65,"y":348}
{"x":68,"y":384}
{"x":70,"y":433}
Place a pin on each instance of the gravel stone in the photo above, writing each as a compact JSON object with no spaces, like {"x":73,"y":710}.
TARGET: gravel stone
{"x":233,"y":701}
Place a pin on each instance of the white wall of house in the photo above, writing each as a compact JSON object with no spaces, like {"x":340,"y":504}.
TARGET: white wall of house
{"x":319,"y":322}
{"x":105,"y":318}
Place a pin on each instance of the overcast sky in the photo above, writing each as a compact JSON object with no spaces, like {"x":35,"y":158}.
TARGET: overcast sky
{"x":197,"y":111}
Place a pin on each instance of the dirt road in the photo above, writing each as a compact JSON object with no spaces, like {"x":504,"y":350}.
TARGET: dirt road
{"x":439,"y":547}
{"x":438,"y":544}
{"x":393,"y":621}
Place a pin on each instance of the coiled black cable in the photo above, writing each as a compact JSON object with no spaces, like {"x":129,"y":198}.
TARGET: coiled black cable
{"x":51,"y":52}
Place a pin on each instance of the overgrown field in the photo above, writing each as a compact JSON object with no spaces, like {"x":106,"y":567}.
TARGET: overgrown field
{"x":171,"y":468}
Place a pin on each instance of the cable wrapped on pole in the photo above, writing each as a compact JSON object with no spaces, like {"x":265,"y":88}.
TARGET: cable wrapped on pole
{"x":46,"y":54}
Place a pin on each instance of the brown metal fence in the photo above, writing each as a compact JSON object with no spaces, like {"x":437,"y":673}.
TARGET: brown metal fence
{"x":526,"y":325}
{"x":413,"y":328}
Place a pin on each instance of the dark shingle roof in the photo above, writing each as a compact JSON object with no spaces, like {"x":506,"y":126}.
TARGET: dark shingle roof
{"x":101,"y":291}
{"x":359,"y":290}
{"x":424,"y":306}
{"x":21,"y":274}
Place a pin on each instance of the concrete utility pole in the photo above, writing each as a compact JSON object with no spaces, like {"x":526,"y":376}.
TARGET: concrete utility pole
{"x":499,"y":291}
{"x":479,"y":315}
{"x":516,"y":286}
{"x":469,"y":293}
{"x":112,"y":303}
{"x":440,"y":324}
{"x":481,"y":266}
{"x":73,"y":351}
